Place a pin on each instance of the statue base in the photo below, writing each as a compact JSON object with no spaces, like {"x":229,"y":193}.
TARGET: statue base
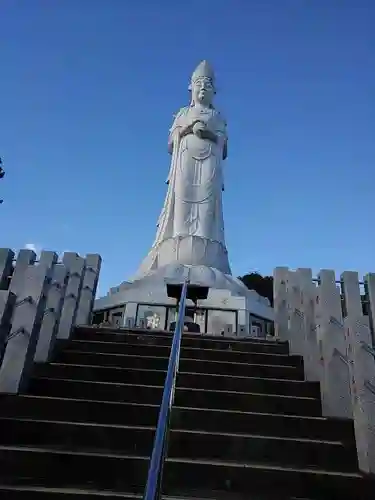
{"x":229,"y":302}
{"x":188,"y":250}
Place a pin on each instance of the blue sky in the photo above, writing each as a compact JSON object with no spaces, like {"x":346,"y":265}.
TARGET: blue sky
{"x":87,"y":93}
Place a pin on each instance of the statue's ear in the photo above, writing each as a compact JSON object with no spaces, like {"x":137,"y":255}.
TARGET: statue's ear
{"x":190,"y":88}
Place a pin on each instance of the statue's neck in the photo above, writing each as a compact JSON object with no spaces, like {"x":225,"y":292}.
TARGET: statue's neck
{"x":198,"y":105}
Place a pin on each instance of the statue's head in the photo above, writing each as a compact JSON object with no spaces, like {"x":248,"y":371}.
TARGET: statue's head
{"x":203,"y":84}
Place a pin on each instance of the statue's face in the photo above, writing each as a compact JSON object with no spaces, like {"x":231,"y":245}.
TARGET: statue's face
{"x":203,"y":91}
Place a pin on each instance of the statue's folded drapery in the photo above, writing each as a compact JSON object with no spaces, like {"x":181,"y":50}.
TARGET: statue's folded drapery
{"x":190,"y":229}
{"x":193,"y":204}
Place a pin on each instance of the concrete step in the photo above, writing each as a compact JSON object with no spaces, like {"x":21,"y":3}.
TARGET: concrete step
{"x":157,"y":377}
{"x":186,"y":364}
{"x":235,"y":447}
{"x":135,"y":414}
{"x":189,"y":397}
{"x":259,"y":479}
{"x":123,"y":473}
{"x":192,"y":339}
{"x":187,"y":352}
{"x":128,"y":440}
{"x":33,"y":492}
{"x":99,"y":391}
{"x":38,"y":466}
{"x":270,"y":424}
{"x":200,"y":342}
{"x":74,"y":436}
{"x":78,"y":410}
{"x":247,"y":401}
{"x":41,"y":493}
{"x":101,"y":373}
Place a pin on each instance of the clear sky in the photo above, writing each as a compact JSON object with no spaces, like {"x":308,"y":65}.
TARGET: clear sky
{"x":87,"y":93}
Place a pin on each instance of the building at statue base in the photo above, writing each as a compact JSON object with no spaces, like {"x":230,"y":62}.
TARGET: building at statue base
{"x":190,"y":243}
{"x":230,"y":308}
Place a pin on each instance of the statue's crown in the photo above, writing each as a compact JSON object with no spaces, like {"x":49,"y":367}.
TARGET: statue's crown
{"x":203,"y":70}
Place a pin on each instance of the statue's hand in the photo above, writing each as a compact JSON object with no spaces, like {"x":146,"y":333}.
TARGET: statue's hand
{"x":198,"y":128}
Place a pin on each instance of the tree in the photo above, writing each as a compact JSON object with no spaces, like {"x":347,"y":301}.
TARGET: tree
{"x":261,"y":284}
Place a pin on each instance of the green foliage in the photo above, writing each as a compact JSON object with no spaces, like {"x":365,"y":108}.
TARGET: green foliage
{"x":261,"y":284}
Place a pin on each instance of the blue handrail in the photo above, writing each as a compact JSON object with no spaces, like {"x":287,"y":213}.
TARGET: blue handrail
{"x":155,"y":471}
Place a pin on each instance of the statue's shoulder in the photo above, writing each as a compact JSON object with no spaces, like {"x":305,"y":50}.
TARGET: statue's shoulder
{"x":219,"y":116}
{"x":181,"y":112}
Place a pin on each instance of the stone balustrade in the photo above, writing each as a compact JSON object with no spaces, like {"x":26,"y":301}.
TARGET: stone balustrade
{"x":331,"y":325}
{"x":40,"y":302}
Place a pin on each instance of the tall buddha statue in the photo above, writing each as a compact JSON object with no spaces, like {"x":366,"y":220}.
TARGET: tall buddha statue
{"x":190,"y":230}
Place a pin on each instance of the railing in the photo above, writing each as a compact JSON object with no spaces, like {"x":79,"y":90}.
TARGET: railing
{"x":155,"y":471}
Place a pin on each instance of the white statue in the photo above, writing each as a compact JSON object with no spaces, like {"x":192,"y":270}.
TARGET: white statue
{"x":190,"y":227}
{"x":197,"y":142}
{"x":189,"y":243}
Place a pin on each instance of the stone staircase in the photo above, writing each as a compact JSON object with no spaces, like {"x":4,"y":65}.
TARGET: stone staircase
{"x":245,"y":425}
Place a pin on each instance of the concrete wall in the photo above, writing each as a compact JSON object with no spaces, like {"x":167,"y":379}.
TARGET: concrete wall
{"x":324,"y":322}
{"x":41,"y":300}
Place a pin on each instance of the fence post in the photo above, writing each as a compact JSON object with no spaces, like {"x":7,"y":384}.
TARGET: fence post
{"x":7,"y":302}
{"x":335,"y":377}
{"x":280,"y":277}
{"x":25,"y":258}
{"x":52,"y":313}
{"x":308,"y":301}
{"x":370,"y":295}
{"x":74,"y":265}
{"x":88,"y":292}
{"x":296,"y":319}
{"x":362,"y":364}
{"x":28,"y":312}
{"x":6,"y":261}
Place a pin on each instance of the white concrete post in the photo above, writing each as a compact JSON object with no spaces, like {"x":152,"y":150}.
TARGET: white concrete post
{"x":52,"y":313}
{"x":6,"y":260}
{"x":25,"y":258}
{"x":352,"y":294}
{"x":74,"y":265}
{"x":370,"y":293}
{"x":7,"y":303}
{"x":363,"y":393}
{"x":362,"y":364}
{"x":308,"y":301}
{"x":335,"y":377}
{"x":28,"y":313}
{"x":88,"y":292}
{"x":296,"y":319}
{"x":280,"y":276}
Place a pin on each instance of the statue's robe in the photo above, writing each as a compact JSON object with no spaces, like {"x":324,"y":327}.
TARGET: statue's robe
{"x":193,"y":204}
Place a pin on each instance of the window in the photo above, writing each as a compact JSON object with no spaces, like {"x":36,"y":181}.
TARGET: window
{"x":218,"y":320}
{"x":154,"y":317}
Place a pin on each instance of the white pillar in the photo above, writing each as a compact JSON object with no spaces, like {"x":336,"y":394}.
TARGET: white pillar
{"x":74,"y":265}
{"x":88,"y":292}
{"x":308,"y":302}
{"x":6,"y":260}
{"x":296,"y":319}
{"x":52,"y":313}
{"x":280,"y":276}
{"x":370,"y":292}
{"x":362,"y":364}
{"x":28,"y":313}
{"x":7,"y":303}
{"x":335,"y":376}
